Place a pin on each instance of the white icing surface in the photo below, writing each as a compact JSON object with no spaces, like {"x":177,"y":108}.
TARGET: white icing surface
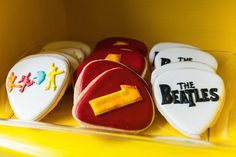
{"x":173,"y":55}
{"x":67,"y":44}
{"x":179,"y":65}
{"x":72,"y":61}
{"x":77,"y":53}
{"x":35,"y":101}
{"x":165,"y":45}
{"x":194,"y":120}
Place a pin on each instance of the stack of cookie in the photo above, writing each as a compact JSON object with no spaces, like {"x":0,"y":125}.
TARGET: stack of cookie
{"x":109,"y":90}
{"x":186,"y":89}
{"x":44,"y":76}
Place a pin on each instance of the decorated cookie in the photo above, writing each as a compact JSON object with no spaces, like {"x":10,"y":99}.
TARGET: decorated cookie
{"x":131,"y":59}
{"x":72,"y":60}
{"x":91,"y":71}
{"x":181,"y":54}
{"x":109,"y":100}
{"x":56,"y":45}
{"x":76,"y":53}
{"x":189,"y":99}
{"x":120,"y":42}
{"x":179,"y":65}
{"x":35,"y":85}
{"x":162,"y":46}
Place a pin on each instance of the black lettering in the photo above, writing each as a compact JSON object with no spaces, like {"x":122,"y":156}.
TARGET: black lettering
{"x":175,"y":96}
{"x":191,"y":85}
{"x":197,"y":97}
{"x":165,"y":61}
{"x":190,"y":97}
{"x":214,"y":95}
{"x":181,"y":59}
{"x":165,"y":92}
{"x":205,"y":94}
{"x":181,"y":85}
{"x":183,"y":97}
{"x":156,"y":52}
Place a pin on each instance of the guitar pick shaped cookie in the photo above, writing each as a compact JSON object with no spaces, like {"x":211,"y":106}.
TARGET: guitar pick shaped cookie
{"x":118,"y":100}
{"x":179,"y":65}
{"x":57,"y":45}
{"x":35,"y":85}
{"x":121,"y":42}
{"x":181,"y":54}
{"x":73,"y":62}
{"x":76,"y":53}
{"x":131,"y":58}
{"x":162,"y":46}
{"x":91,"y":71}
{"x":189,"y":99}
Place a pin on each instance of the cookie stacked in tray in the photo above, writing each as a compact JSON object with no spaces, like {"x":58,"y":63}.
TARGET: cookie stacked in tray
{"x":186,"y":89}
{"x":109,"y":90}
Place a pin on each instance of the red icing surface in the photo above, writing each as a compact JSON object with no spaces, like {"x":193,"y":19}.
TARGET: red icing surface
{"x":132,"y":59}
{"x":135,"y":116}
{"x":95,"y":68}
{"x":132,"y":44}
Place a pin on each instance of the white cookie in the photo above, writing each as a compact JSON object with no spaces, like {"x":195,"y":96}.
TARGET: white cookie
{"x":165,"y":45}
{"x":76,"y":53}
{"x":71,"y":59}
{"x":36,"y":84}
{"x":173,"y":55}
{"x":179,"y":65}
{"x":67,"y":44}
{"x":189,"y":99}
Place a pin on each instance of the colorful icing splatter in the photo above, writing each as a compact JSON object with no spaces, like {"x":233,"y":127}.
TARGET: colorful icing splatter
{"x":11,"y":82}
{"x":26,"y":82}
{"x":40,"y":77}
{"x":52,"y":77}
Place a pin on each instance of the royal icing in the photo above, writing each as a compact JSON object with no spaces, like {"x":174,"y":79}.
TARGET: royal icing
{"x":131,"y":59}
{"x":76,"y":53}
{"x":25,"y":82}
{"x":113,"y":57}
{"x":179,"y":65}
{"x":126,"y":96}
{"x":34,"y":74}
{"x":56,"y":45}
{"x":162,"y":46}
{"x":97,"y":67}
{"x":11,"y":82}
{"x":40,"y":77}
{"x":110,"y":82}
{"x":52,"y":77}
{"x":182,"y":54}
{"x":188,"y":100}
{"x":119,"y":42}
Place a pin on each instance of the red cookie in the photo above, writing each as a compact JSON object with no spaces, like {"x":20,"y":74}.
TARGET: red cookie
{"x":131,"y":59}
{"x":97,"y":105}
{"x":91,"y":71}
{"x":121,"y":42}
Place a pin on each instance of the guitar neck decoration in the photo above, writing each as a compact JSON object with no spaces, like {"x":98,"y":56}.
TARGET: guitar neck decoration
{"x":114,"y":57}
{"x":120,"y":43}
{"x":126,"y":96}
